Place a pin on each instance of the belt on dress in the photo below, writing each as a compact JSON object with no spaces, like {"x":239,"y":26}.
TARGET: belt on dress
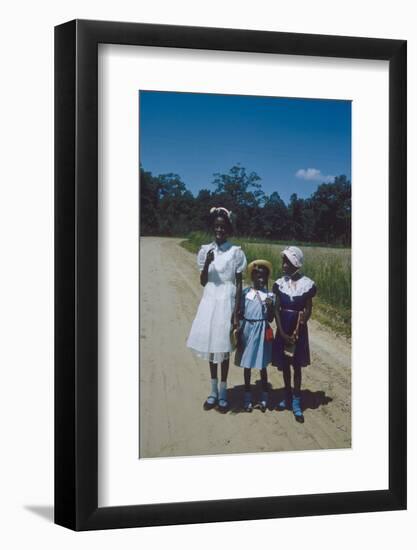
{"x":292,"y":310}
{"x":253,"y":320}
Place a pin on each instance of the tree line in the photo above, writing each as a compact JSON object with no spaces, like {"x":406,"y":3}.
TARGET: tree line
{"x":168,"y":208}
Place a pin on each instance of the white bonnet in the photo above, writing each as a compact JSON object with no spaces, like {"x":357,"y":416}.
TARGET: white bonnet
{"x":295,"y":255}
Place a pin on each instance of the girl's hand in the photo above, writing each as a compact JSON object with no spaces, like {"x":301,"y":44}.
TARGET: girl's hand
{"x":235,"y":321}
{"x":269,"y":309}
{"x":210,"y":257}
{"x":290,"y":340}
{"x":302,"y":317}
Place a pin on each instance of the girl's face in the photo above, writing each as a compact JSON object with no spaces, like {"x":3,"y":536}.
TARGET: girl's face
{"x":287,"y":267}
{"x":220,"y":230}
{"x":260,"y":277}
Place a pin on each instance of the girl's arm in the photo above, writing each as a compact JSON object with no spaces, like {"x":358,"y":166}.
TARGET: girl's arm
{"x":236,"y":312}
{"x":270,"y":310}
{"x":204,"y":272}
{"x":307,"y":311}
{"x":277,"y":316}
{"x":284,"y":336}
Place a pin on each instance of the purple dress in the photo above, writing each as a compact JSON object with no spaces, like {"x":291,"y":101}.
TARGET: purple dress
{"x":292,"y":299}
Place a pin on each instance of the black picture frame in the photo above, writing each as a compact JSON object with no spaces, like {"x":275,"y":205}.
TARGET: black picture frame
{"x":76,"y":272}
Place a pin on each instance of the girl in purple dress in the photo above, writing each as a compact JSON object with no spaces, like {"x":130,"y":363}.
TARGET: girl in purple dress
{"x":293,"y":305}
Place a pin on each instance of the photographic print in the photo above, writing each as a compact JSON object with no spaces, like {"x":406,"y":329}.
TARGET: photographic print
{"x":245,"y":274}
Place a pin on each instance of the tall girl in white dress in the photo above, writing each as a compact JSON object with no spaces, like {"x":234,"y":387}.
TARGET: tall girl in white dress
{"x":221,"y":265}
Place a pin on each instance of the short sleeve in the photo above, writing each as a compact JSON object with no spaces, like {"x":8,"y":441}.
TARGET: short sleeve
{"x":312,"y":292}
{"x":240,"y":260}
{"x":201,"y":257}
{"x":275,"y":289}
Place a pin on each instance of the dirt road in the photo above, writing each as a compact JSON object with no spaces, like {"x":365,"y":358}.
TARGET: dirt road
{"x":174,"y":383}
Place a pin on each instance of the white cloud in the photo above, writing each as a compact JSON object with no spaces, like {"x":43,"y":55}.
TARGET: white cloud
{"x":312,"y":174}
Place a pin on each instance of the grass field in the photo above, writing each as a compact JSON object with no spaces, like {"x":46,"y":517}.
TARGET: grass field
{"x":329,"y":267}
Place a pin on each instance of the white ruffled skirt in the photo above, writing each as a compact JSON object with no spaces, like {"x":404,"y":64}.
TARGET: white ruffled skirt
{"x":209,"y":337}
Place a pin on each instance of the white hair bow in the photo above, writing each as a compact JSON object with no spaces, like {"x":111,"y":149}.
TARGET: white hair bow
{"x":217,"y":208}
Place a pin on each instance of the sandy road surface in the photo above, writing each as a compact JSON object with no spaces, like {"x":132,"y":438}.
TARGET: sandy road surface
{"x":174,"y":383}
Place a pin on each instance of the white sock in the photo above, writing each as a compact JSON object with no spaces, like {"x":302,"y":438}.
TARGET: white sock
{"x":214,"y":390}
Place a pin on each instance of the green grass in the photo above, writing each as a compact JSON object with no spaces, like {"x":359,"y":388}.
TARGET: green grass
{"x":329,"y":267}
{"x":201,"y":236}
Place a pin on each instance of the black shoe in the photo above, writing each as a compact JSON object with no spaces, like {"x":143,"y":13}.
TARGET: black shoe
{"x":207,"y":406}
{"x":263,"y":403}
{"x":223,"y":406}
{"x":247,"y":402}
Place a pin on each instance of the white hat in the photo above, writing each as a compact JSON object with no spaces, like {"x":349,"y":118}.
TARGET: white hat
{"x":295,"y":255}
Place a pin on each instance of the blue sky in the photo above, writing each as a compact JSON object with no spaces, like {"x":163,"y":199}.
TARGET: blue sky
{"x":292,"y":144}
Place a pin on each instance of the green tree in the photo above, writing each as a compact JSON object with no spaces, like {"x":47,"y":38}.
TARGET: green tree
{"x":175,"y":205}
{"x":241,"y":192}
{"x":149,"y":202}
{"x":275,"y":217}
{"x":200,"y":215}
{"x":168,"y":208}
{"x":296,"y":218}
{"x":332,"y":207}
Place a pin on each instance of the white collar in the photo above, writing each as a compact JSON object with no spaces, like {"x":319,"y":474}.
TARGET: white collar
{"x":251,"y":295}
{"x":303,"y":285}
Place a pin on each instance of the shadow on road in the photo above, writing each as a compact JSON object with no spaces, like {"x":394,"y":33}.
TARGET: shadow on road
{"x":309,"y":399}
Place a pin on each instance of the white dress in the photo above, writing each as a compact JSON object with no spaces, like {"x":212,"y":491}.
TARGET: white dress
{"x":209,"y":337}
